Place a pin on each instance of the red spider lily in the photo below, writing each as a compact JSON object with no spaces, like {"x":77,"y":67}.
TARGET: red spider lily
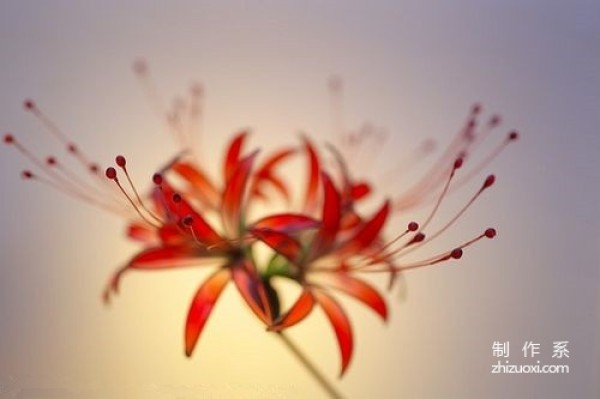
{"x":326,"y":246}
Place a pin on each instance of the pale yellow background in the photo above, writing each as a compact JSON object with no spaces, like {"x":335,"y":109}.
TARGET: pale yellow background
{"x":414,"y":67}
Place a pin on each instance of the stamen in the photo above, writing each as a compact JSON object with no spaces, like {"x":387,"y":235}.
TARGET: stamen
{"x":111,"y":174}
{"x":122,"y":163}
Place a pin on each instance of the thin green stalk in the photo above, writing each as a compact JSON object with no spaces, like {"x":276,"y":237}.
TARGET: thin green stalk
{"x":309,"y":366}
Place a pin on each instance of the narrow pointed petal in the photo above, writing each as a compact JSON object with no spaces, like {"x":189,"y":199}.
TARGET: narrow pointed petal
{"x":274,"y":181}
{"x":298,"y":312}
{"x":367,"y":233}
{"x":361,"y":291}
{"x":331,"y":216}
{"x":202,"y":306}
{"x":165,"y":257}
{"x":233,"y":196}
{"x":266,"y":174}
{"x":253,"y":292}
{"x":142,"y":232}
{"x":286,"y":223}
{"x":233,"y":155}
{"x":360,"y":190}
{"x":341,"y":325}
{"x":314,"y":171}
{"x":178,"y":210}
{"x":199,"y":181}
{"x":280,"y":242}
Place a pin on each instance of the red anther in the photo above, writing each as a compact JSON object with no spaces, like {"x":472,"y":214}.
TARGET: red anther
{"x":176,"y":198}
{"x":476,"y":109}
{"x":514,"y":135}
{"x":418,"y":238}
{"x":94,"y":168}
{"x":27,"y":174}
{"x":157,"y":179}
{"x":111,"y":173}
{"x":456,"y":253}
{"x":51,"y":161}
{"x":140,"y":67}
{"x":72,"y":148}
{"x":471,"y":125}
{"x":458,"y":163}
{"x":490,"y":233}
{"x":8,"y":138}
{"x":494,"y":120}
{"x":187,"y":220}
{"x":413,"y":226}
{"x":121,"y":161}
{"x":28,"y":104}
{"x":489,"y":181}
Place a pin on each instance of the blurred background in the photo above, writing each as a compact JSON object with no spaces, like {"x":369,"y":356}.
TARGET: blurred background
{"x":412,"y":67}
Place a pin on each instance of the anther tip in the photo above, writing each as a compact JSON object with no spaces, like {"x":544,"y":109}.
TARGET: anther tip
{"x":489,"y":181}
{"x":456,"y":253}
{"x":157,"y":179}
{"x":490,"y":233}
{"x":28,"y":104}
{"x":111,"y":173}
{"x":120,"y":161}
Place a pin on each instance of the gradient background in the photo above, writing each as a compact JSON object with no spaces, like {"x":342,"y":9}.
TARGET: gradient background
{"x":414,"y":67}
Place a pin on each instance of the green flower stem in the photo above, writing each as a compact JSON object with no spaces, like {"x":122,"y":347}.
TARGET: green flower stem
{"x":310,"y":367}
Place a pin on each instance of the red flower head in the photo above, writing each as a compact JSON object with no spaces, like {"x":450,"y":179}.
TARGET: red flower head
{"x":327,"y":245}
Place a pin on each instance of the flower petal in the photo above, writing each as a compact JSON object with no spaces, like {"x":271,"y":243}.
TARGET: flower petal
{"x":158,"y":258}
{"x":286,"y":222}
{"x":281,"y":243}
{"x":359,"y":190}
{"x":341,"y":325}
{"x":253,"y":291}
{"x":298,"y":312}
{"x":366,"y":234}
{"x":360,"y":290}
{"x":202,"y":306}
{"x":233,"y":155}
{"x":233,"y":196}
{"x":199,"y":181}
{"x":266,"y":174}
{"x":202,"y":231}
{"x":331,"y":216}
{"x":314,"y":171}
{"x":143,"y":233}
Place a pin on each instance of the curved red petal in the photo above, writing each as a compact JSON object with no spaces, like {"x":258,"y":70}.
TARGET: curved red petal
{"x":362,"y":291}
{"x":233,"y":195}
{"x":202,"y":231}
{"x":280,"y":242}
{"x":341,"y":325}
{"x":286,"y":222}
{"x":276,"y":182}
{"x":331,"y":216}
{"x":367,"y":233}
{"x":298,"y":312}
{"x":202,"y":306}
{"x":142,"y":232}
{"x":165,"y":257}
{"x":314,"y":171}
{"x":253,"y":292}
{"x":199,"y":181}
{"x":360,"y":190}
{"x":233,"y":155}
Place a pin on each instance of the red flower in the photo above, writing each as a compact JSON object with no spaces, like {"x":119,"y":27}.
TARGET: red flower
{"x":325,"y":246}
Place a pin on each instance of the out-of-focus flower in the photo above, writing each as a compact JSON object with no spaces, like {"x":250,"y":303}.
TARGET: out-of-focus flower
{"x":326,"y":245}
